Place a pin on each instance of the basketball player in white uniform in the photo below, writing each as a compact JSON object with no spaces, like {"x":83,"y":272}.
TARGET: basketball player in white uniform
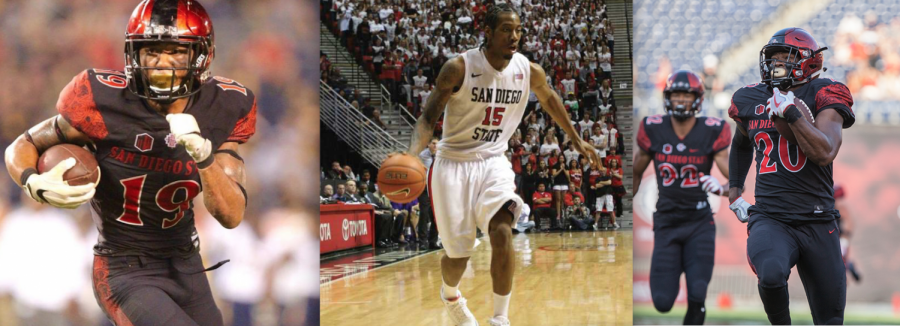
{"x":483,"y":94}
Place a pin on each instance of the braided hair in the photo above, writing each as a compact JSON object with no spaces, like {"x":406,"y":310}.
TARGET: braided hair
{"x":493,"y":17}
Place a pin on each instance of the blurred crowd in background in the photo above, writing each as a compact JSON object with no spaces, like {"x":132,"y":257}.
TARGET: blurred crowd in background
{"x":863,"y":40}
{"x":46,"y":253}
{"x":869,"y":49}
{"x":404,"y":44}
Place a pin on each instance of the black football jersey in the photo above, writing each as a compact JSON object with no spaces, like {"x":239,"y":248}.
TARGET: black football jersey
{"x":143,"y":203}
{"x":678,"y":162}
{"x":788,"y":186}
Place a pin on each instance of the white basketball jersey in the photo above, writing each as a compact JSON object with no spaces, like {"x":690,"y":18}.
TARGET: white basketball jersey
{"x":481,"y":117}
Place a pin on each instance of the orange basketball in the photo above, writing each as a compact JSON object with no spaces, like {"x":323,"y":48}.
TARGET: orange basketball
{"x":402,"y":178}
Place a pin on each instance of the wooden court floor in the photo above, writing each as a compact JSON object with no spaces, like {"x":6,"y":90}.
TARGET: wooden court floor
{"x":582,"y":278}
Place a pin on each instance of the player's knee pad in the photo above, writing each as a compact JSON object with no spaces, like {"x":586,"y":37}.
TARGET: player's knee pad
{"x":772,"y":273}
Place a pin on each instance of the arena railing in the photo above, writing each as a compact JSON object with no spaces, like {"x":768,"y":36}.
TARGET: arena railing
{"x":362,"y":134}
{"x":402,"y":112}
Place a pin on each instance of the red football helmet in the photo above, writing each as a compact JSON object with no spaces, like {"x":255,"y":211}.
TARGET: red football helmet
{"x":683,"y":81}
{"x":183,"y":22}
{"x":801,"y":46}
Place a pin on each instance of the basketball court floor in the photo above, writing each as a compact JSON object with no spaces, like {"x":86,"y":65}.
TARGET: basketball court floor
{"x":570,"y":278}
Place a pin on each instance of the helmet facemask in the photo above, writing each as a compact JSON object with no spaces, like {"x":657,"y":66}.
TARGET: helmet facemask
{"x":784,"y":74}
{"x":183,"y":80}
{"x":683,"y":81}
{"x":681,"y":112}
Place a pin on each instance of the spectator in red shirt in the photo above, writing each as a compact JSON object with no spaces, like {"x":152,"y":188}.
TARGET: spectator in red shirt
{"x":575,"y":174}
{"x":516,"y":159}
{"x":612,"y":157}
{"x":541,"y":198}
{"x":534,"y":155}
{"x":615,"y":171}
{"x":478,"y":11}
{"x":572,"y":194}
{"x":558,"y":43}
{"x":542,"y":202}
{"x":553,"y":158}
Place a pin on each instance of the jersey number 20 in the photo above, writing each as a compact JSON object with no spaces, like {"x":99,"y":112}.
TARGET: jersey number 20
{"x":767,"y":165}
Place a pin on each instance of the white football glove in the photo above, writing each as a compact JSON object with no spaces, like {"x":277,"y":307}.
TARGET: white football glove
{"x":187,"y":134}
{"x":711,"y":185}
{"x":739,"y":207}
{"x":49,"y":187}
{"x":845,"y":245}
{"x":778,"y":103}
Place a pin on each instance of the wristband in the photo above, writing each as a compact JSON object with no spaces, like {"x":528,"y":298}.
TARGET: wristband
{"x":25,"y":174}
{"x":207,"y":162}
{"x":792,"y":114}
{"x":230,"y":152}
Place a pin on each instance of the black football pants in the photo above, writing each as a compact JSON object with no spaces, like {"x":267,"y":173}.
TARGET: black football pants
{"x":773,"y":247}
{"x":688,"y":248}
{"x":143,"y":291}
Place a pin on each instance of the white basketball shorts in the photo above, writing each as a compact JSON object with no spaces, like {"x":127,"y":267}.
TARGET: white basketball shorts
{"x":466,"y":195}
{"x":605,"y":200}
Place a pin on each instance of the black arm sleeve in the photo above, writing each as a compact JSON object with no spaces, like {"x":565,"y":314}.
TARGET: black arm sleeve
{"x":739,"y":160}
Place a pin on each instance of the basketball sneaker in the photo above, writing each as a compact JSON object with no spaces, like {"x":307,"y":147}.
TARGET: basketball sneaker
{"x":459,"y":313}
{"x":499,"y":321}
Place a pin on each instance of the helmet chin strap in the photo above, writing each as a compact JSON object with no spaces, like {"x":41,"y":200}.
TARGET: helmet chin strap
{"x":681,"y":117}
{"x":681,"y":113}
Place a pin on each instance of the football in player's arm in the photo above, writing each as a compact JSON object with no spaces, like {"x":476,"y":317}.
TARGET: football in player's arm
{"x":221,"y":172}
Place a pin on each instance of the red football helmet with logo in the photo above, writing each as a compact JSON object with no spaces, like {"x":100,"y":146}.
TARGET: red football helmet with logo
{"x":182,"y":22}
{"x":802,"y":48}
{"x":684,"y":81}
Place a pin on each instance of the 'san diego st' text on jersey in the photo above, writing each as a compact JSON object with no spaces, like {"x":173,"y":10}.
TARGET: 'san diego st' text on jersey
{"x":679,"y":161}
{"x":481,"y":117}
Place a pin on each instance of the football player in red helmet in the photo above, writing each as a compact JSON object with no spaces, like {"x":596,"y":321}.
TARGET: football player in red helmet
{"x":162,"y":130}
{"x":683,"y":148}
{"x":683,"y":95}
{"x":793,"y":219}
